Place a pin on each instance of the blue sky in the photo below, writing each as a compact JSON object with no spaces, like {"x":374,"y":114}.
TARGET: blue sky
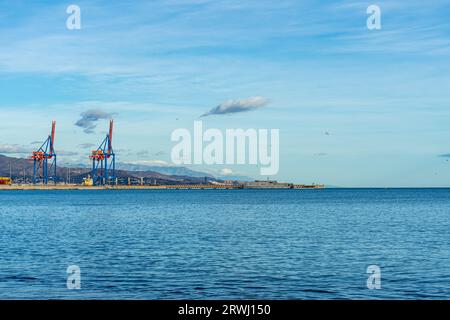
{"x":355,"y":107}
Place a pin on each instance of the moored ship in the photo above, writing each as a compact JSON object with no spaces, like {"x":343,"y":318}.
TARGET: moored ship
{"x":273,"y":184}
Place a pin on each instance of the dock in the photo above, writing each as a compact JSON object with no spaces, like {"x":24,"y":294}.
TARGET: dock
{"x":114,"y":187}
{"x":143,"y":187}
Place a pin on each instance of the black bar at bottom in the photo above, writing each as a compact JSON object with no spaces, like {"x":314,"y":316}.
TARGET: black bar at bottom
{"x":224,"y":309}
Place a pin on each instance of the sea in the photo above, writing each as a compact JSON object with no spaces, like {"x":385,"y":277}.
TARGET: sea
{"x":225,"y":244}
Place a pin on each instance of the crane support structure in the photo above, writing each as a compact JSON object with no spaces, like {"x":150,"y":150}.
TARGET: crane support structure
{"x":41,"y":158}
{"x":104,"y":160}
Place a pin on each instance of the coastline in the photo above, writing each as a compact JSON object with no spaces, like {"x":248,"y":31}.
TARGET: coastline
{"x":139,"y":187}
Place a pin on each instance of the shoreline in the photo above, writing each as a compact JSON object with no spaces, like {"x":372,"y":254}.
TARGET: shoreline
{"x":139,"y":187}
{"x":189,"y":187}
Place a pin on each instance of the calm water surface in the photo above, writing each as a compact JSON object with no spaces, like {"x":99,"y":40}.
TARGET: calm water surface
{"x":229,"y":244}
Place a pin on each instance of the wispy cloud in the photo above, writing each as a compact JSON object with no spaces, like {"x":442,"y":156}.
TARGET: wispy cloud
{"x":18,"y":149}
{"x":13,"y":148}
{"x":86,"y":145}
{"x":67,"y":153}
{"x":159,"y":153}
{"x":151,"y":162}
{"x":445,"y":155}
{"x":226,"y":171}
{"x":234,"y":106}
{"x":89,"y":119}
{"x":142,"y":153}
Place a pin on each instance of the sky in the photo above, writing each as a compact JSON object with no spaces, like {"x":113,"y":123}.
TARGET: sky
{"x":355,"y":107}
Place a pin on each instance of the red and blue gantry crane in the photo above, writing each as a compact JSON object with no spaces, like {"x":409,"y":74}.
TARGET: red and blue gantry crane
{"x":104,"y":160}
{"x":41,"y":157}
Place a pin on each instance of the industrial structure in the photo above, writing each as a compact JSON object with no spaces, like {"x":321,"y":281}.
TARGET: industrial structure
{"x":104,"y":161}
{"x":41,"y":159}
{"x":5,"y":181}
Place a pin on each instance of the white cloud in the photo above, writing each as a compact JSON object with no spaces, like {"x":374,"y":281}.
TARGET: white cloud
{"x":226,"y":171}
{"x":150,"y":162}
{"x":89,"y":118}
{"x":13,"y":148}
{"x":241,"y":105}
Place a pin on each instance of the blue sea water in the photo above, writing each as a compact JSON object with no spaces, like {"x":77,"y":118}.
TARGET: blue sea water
{"x":225,"y":244}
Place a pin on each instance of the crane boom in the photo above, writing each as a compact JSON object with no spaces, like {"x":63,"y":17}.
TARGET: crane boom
{"x":52,"y":137}
{"x":111,"y":125}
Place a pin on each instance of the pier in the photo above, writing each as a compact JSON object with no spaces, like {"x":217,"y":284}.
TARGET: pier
{"x":142,"y":187}
{"x":114,"y":187}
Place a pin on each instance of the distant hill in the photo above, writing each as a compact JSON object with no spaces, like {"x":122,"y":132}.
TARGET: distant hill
{"x":168,"y":170}
{"x":179,"y":171}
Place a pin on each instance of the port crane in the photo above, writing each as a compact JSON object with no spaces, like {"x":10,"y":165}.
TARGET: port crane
{"x":41,"y":158}
{"x":104,"y":160}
